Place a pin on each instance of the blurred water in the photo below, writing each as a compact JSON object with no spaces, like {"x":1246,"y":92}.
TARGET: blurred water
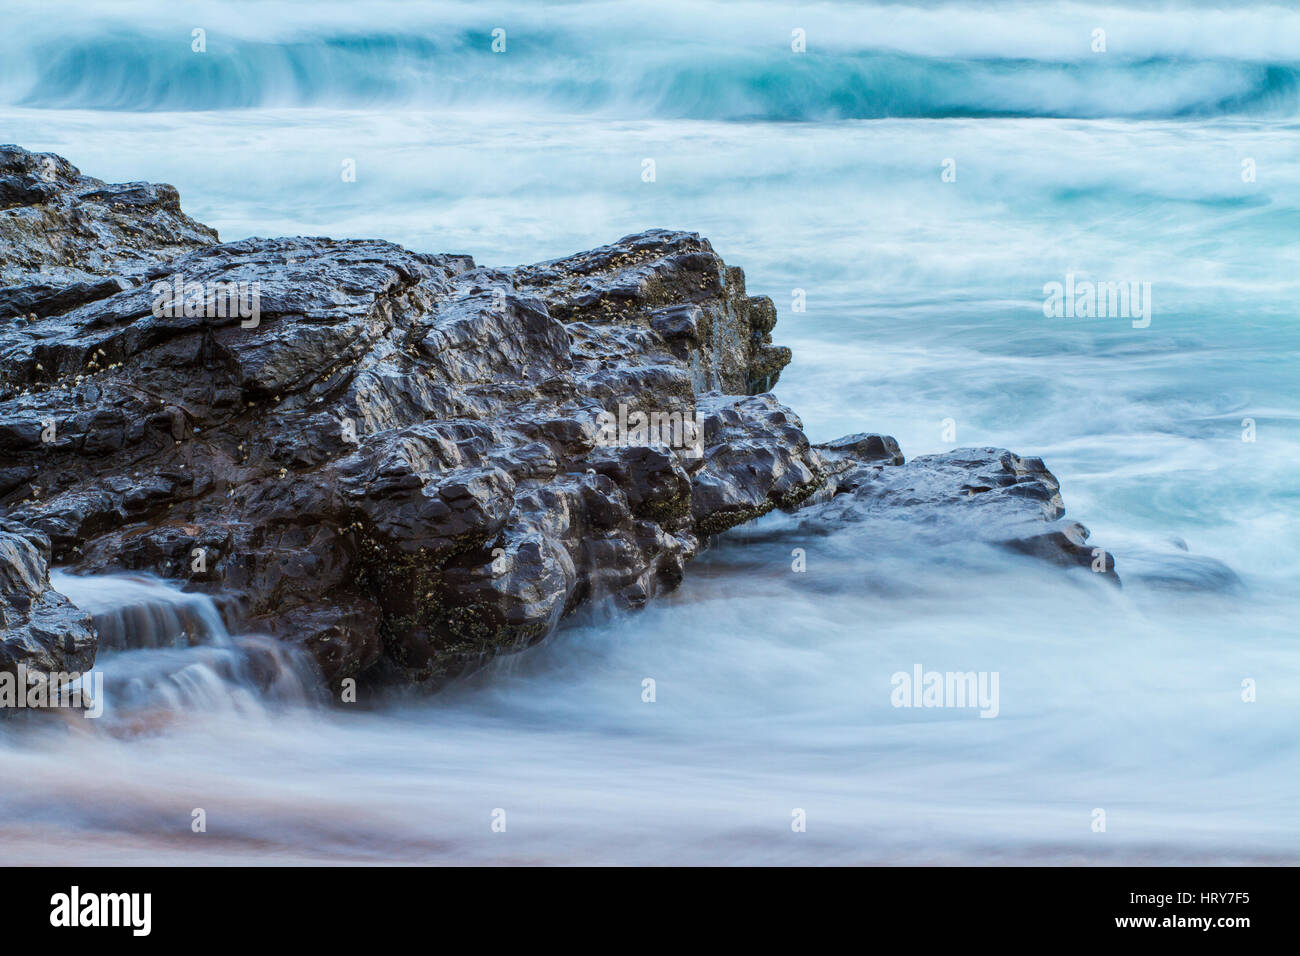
{"x":163,"y":651}
{"x":818,"y":172}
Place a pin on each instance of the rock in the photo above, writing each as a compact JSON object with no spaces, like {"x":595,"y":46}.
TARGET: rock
{"x":757,"y":458}
{"x":395,"y":460}
{"x":342,"y":638}
{"x":849,"y":461}
{"x":978,"y":494}
{"x":1067,"y":546}
{"x":404,"y":463}
{"x":66,"y":238}
{"x":865,"y":448}
{"x":40,"y":629}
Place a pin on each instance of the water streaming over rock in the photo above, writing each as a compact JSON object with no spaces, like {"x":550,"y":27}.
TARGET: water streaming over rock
{"x":169,"y":649}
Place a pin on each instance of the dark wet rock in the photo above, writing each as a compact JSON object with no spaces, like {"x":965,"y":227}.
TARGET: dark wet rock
{"x":757,"y":458}
{"x":978,"y":494}
{"x":406,"y":463}
{"x":40,"y":629}
{"x":341,"y":634}
{"x":1067,"y":546}
{"x":65,"y":238}
{"x":849,"y":461}
{"x":392,"y":459}
{"x":864,"y":449}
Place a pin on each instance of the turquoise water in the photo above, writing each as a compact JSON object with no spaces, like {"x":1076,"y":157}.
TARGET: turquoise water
{"x":822,"y":172}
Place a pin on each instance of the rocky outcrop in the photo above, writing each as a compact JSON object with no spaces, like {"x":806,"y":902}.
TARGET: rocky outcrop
{"x":406,"y":463}
{"x":64,"y":237}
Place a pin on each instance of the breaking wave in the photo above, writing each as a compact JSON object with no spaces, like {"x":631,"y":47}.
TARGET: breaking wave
{"x":861,"y":62}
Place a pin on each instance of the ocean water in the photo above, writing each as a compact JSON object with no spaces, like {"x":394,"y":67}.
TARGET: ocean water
{"x":1169,"y":158}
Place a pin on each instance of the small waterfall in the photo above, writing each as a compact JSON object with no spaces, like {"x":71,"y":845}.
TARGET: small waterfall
{"x":134,"y":611}
{"x":164,"y":649}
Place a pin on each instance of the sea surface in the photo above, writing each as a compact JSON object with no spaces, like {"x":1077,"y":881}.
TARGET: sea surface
{"x":903,"y":189}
